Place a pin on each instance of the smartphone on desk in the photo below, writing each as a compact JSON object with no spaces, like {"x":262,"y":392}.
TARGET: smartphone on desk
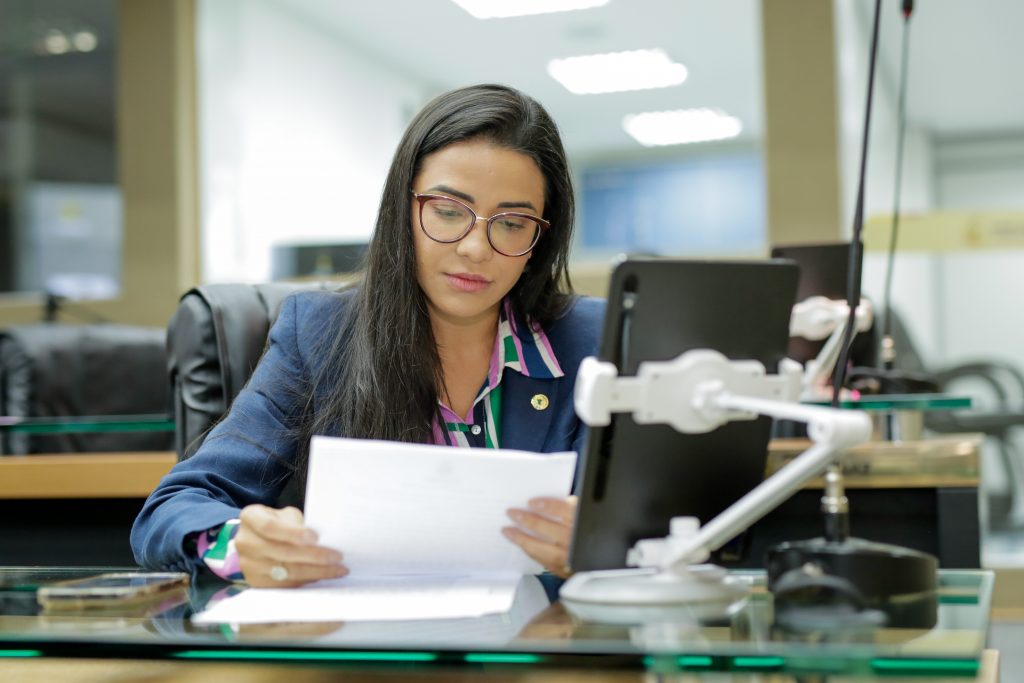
{"x":106,"y":591}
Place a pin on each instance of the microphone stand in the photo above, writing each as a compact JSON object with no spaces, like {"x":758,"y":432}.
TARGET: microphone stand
{"x":887,"y":355}
{"x":51,"y":307}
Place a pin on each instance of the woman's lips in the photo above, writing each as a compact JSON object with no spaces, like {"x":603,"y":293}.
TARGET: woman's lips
{"x":466,"y":282}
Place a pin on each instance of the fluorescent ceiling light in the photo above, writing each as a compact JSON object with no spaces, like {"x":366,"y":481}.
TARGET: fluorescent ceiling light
{"x":681,"y":126}
{"x":84,"y":41}
{"x":617,"y":71}
{"x":502,"y":9}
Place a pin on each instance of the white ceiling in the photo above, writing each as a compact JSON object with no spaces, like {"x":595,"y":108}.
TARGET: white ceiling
{"x":966,"y":65}
{"x":966,"y":69}
{"x":439,"y":43}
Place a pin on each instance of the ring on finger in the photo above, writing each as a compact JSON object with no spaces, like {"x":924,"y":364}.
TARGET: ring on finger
{"x":279,"y":573}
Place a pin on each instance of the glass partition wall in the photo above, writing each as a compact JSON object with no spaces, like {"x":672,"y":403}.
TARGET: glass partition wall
{"x":60,"y":205}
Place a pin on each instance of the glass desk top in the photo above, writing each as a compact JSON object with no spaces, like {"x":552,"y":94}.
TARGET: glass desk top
{"x":543,"y":635}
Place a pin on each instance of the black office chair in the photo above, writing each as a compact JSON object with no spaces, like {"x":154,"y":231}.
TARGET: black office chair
{"x":996,"y":388}
{"x":52,"y":370}
{"x":997,"y":392}
{"x":214,"y":340}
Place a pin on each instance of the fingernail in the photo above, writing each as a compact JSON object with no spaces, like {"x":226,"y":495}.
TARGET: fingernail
{"x":340,"y":572}
{"x":309,"y":536}
{"x":507,"y":532}
{"x":335,"y":557}
{"x":537,"y":505}
{"x":515,"y":515}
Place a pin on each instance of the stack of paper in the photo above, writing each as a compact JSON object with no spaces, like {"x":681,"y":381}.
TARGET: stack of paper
{"x":420,"y":530}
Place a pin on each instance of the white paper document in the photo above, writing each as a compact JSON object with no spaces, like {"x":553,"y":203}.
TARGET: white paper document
{"x":414,"y":509}
{"x":419,"y":528}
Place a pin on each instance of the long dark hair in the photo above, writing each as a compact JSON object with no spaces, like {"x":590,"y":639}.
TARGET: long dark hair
{"x":380,"y":372}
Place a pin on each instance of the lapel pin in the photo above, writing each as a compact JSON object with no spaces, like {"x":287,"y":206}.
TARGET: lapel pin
{"x":539,"y":402}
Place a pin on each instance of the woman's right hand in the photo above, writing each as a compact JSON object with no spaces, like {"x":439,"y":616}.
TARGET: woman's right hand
{"x":268,"y":538}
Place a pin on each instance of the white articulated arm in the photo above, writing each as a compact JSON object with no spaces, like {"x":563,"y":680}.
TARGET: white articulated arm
{"x":697,"y":392}
{"x":681,"y":392}
{"x":818,"y":317}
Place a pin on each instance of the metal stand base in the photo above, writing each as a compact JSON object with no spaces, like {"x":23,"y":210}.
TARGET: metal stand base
{"x":630,"y":596}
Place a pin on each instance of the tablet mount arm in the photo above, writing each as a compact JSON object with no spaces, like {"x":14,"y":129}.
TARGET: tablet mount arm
{"x":697,"y":392}
{"x":818,"y":317}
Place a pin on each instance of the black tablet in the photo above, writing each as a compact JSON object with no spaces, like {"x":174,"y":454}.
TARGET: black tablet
{"x":824,"y":271}
{"x":637,"y":477}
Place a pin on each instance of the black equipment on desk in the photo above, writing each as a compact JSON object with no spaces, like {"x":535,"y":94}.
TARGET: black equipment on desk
{"x":637,"y":477}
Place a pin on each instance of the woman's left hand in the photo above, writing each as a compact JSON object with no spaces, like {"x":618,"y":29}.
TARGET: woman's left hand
{"x":544,"y":530}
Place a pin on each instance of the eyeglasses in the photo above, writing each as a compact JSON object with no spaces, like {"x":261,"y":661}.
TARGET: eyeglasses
{"x":448,"y":220}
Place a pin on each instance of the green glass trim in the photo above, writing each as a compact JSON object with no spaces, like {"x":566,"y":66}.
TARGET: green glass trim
{"x":958,"y":599}
{"x":903,"y":402}
{"x":821,"y":665}
{"x":21,"y":653}
{"x":93,"y":425}
{"x":758,"y":662}
{"x":668,"y":663}
{"x":93,"y":428}
{"x":498,"y":658}
{"x":307,"y":655}
{"x":964,"y":667}
{"x":691,"y":662}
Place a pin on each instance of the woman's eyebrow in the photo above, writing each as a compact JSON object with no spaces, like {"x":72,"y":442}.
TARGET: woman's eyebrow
{"x":517,"y":205}
{"x":453,"y":192}
{"x":470,"y":199}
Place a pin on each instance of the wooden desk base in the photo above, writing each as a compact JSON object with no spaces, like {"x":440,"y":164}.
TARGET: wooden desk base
{"x":74,"y":509}
{"x":83,"y":475}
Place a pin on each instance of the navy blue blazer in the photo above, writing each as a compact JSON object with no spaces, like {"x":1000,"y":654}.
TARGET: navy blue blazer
{"x":246,"y":458}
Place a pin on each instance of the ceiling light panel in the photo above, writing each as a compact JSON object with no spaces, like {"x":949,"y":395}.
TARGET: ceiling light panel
{"x":617,"y":72}
{"x":502,"y":9}
{"x":682,"y":126}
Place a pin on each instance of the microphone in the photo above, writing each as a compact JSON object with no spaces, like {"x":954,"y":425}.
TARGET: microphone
{"x":51,"y":307}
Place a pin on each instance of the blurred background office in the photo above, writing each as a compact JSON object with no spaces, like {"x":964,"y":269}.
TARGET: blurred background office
{"x":147,"y":146}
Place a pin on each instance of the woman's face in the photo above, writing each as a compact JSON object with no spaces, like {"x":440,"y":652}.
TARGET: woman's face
{"x":466,"y":280}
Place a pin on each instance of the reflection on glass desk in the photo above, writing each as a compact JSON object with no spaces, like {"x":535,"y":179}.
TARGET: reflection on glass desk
{"x":86,"y":424}
{"x":537,"y":635}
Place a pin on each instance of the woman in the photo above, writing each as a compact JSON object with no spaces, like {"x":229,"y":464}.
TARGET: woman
{"x":461,"y":332}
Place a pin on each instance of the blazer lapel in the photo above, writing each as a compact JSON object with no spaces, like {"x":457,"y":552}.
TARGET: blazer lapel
{"x":525,"y":423}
